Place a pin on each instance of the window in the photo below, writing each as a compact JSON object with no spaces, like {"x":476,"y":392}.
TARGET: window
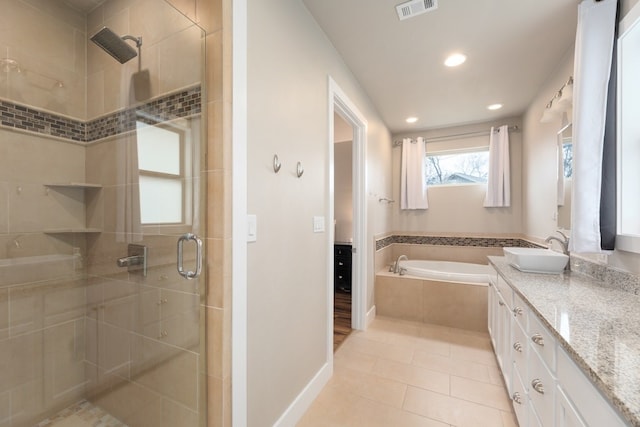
{"x":460,"y":167}
{"x":567,"y":159}
{"x":161,"y":171}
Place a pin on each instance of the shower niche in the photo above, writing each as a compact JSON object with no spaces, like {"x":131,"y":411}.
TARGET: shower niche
{"x":79,"y":207}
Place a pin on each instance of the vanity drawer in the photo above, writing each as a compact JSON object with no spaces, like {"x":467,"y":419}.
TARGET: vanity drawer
{"x":506,"y":291}
{"x":542,"y":389}
{"x":520,"y":349}
{"x":520,"y":400}
{"x":520,"y":311}
{"x":542,"y":341}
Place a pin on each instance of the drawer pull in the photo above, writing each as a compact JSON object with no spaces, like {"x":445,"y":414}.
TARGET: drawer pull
{"x":517,"y":347}
{"x":517,"y":311}
{"x":537,"y":386}
{"x":500,"y":302}
{"x":538,"y":339}
{"x":517,"y":398}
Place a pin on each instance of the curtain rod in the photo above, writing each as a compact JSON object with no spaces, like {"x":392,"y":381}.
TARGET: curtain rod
{"x":460,"y":135}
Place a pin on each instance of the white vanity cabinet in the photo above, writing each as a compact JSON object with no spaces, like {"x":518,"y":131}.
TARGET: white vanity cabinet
{"x":546,"y":386}
{"x":500,"y":327}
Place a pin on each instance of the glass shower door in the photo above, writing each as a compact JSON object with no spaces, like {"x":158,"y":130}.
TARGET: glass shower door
{"x":100,"y":179}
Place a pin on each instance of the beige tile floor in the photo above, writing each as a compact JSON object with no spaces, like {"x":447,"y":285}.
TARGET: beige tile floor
{"x":400,"y":373}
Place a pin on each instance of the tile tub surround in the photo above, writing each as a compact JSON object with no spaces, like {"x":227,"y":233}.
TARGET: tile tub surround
{"x":449,"y":304}
{"x":599,"y":328}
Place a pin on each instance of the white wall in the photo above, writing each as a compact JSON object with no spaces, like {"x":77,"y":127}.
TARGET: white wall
{"x":540,"y":161}
{"x":458,"y":209}
{"x":289,"y":61}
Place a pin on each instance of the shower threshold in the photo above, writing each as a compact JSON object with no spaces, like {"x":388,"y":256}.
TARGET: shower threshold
{"x":82,"y":414}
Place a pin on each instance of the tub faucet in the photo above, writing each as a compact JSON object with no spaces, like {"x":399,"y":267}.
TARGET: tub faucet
{"x":396,"y":265}
{"x":564,"y":242}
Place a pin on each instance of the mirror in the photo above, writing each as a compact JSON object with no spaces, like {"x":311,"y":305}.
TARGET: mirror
{"x":565,"y":173}
{"x":628,"y":238}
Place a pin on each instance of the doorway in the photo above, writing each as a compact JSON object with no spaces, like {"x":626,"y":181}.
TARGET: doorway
{"x":343,"y":228}
{"x":341,"y":109}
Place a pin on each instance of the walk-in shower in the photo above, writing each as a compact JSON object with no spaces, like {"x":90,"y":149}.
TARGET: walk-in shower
{"x":99,"y":178}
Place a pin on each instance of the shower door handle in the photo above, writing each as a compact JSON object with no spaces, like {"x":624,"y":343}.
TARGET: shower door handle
{"x":189,"y":274}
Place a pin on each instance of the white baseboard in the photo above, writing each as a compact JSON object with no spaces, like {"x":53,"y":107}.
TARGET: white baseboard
{"x":371,"y":314}
{"x":303,"y":401}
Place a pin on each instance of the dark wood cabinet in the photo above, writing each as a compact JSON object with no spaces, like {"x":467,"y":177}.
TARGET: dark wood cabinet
{"x":342,"y":267}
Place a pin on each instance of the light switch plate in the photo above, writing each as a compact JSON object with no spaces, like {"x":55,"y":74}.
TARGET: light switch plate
{"x":252,"y":228}
{"x":318,"y":224}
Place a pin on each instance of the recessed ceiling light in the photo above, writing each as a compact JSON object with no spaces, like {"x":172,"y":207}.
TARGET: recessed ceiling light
{"x":455,"y":59}
{"x":412,"y":119}
{"x":494,"y":107}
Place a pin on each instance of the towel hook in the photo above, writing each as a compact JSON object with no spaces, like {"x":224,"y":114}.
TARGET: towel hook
{"x":299,"y":170}
{"x":276,"y":163}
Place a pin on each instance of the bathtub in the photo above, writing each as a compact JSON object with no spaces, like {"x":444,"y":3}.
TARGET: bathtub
{"x":449,"y":271}
{"x":451,"y":294}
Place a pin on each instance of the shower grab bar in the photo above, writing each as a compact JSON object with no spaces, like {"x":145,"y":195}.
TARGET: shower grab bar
{"x":180,"y":261}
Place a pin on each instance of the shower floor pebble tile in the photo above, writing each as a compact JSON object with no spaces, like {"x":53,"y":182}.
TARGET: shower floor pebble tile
{"x":402,"y":373}
{"x":82,"y":414}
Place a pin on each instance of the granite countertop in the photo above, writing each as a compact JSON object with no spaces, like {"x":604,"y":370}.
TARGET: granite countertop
{"x":597,"y":323}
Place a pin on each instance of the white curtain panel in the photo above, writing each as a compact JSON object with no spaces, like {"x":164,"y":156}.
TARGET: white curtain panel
{"x":413,"y":180}
{"x":592,"y":66}
{"x":499,"y":179}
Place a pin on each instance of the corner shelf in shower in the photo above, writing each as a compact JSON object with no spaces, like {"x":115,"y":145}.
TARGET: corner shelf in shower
{"x":72,"y":230}
{"x":73,"y":185}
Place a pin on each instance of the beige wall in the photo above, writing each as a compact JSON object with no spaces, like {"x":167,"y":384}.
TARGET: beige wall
{"x":540,"y":168}
{"x":343,"y":207}
{"x":289,"y":60}
{"x":459,"y":208}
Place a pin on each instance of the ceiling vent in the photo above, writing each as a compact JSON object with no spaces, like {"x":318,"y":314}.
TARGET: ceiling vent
{"x":413,"y":8}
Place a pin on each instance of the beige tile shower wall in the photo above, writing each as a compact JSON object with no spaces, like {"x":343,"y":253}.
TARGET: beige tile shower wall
{"x":167,"y":40}
{"x":41,"y":348}
{"x":48,"y":41}
{"x":215,"y":17}
{"x":27,"y":206}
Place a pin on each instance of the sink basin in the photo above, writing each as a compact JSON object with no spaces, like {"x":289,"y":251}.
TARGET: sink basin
{"x":536,"y":260}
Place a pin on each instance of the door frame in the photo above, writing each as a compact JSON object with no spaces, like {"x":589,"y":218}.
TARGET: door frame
{"x":340,"y":103}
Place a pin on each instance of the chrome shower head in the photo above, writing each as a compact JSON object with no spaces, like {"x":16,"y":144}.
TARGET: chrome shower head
{"x":115,"y":45}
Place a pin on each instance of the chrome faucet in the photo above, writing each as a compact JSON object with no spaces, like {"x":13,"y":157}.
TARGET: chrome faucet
{"x":396,"y":265}
{"x":564,"y":242}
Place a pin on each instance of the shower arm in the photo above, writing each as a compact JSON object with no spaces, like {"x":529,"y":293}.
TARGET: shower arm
{"x":138,"y":40}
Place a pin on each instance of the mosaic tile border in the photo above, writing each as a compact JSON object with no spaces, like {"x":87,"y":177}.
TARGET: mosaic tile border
{"x":175,"y":105}
{"x":33,"y":120}
{"x":484,"y":242}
